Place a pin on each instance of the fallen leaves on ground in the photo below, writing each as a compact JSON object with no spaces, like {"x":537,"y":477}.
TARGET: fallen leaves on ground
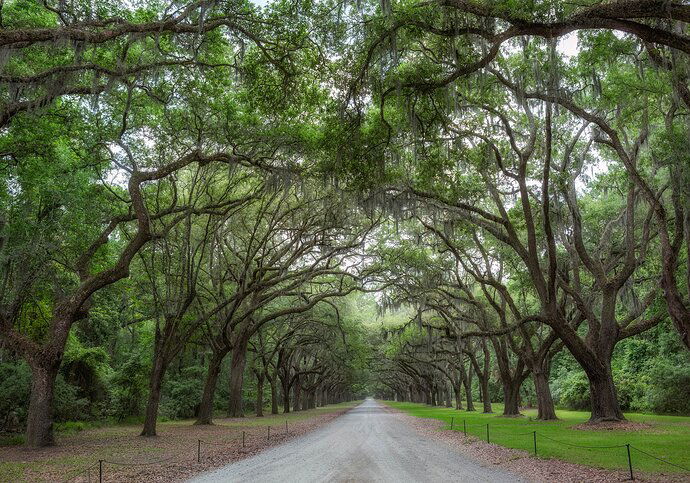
{"x":170,"y":456}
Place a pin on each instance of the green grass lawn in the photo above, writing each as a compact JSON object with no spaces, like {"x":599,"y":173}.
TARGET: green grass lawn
{"x":667,"y":438}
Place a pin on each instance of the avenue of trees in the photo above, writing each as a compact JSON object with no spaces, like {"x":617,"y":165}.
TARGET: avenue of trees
{"x":200,"y":201}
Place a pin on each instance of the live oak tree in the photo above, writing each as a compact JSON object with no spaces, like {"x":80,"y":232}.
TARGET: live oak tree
{"x":226,"y":177}
{"x":117,"y":148}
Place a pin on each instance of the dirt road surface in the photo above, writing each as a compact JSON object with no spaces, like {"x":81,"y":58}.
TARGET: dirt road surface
{"x":366,"y":444}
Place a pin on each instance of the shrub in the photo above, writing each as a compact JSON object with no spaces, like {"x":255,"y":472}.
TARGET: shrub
{"x":128,"y":386}
{"x":668,"y":389}
{"x":181,"y":393}
{"x":15,"y":384}
{"x":571,"y":390}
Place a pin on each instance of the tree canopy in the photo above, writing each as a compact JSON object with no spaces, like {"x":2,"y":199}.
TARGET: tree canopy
{"x":427,"y":201}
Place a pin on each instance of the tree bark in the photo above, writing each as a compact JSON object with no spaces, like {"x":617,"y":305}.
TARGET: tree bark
{"x":206,"y":405}
{"x":511,"y":398}
{"x":39,"y":424}
{"x":603,"y":397}
{"x":286,"y":395}
{"x":297,"y":396}
{"x":239,"y":360}
{"x":467,"y":383}
{"x":486,"y":399}
{"x":545,"y":407}
{"x":260,"y":396}
{"x":457,"y":390}
{"x":274,"y":395}
{"x":155,"y":385}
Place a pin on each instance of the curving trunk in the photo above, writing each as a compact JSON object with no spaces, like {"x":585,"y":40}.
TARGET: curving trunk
{"x":155,"y":385}
{"x":39,"y":423}
{"x":206,"y":405}
{"x":467,"y":384}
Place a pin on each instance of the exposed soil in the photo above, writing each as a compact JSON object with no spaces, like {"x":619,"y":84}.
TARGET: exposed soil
{"x":171,"y":456}
{"x":521,"y":462}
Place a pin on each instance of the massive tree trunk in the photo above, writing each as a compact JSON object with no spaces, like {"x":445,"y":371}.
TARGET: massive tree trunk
{"x":239,"y":360}
{"x":597,"y":367}
{"x":545,"y":407}
{"x":155,"y":384}
{"x":39,"y":423}
{"x":511,"y":398}
{"x":484,"y":390}
{"x":206,"y":405}
{"x":603,"y":397}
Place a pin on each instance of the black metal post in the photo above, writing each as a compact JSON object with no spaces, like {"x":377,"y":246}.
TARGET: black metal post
{"x":535,"y":443}
{"x":464,"y":426}
{"x":487,"y":432}
{"x":286,"y":427}
{"x":198,"y":453}
{"x":100,"y":471}
{"x":243,"y":439}
{"x":632,"y":477}
{"x":269,"y":433}
{"x":451,"y":422}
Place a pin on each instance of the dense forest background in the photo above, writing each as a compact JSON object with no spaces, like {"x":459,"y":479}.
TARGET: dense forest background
{"x":216,"y":207}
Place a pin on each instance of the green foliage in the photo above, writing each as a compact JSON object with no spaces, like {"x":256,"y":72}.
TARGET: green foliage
{"x":15,"y":382}
{"x":128,"y":387}
{"x":181,"y":393}
{"x":571,"y":390}
{"x":668,"y":389}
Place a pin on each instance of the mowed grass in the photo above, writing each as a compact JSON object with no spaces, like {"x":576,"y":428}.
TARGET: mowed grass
{"x":668,"y":437}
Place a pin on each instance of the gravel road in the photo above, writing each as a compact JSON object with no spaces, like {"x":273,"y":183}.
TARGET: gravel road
{"x":366,"y":444}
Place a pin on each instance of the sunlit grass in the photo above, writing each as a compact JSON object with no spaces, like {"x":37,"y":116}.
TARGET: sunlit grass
{"x":668,"y":437}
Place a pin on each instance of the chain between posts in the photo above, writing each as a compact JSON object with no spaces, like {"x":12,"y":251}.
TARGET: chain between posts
{"x":627,"y":446}
{"x":101,"y":462}
{"x":81,"y":472}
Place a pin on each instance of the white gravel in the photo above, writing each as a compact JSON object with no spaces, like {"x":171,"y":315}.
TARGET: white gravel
{"x":366,"y":444}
